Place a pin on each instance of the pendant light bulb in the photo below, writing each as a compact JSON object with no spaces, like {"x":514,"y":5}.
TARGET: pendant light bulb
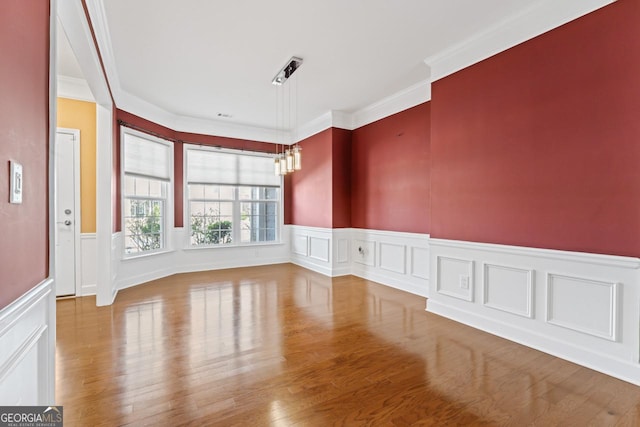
{"x":276,"y":166}
{"x":283,"y":165}
{"x":297,"y":158}
{"x":289,"y":157}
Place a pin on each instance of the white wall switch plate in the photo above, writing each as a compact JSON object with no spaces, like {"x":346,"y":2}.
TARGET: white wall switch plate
{"x":15,"y":190}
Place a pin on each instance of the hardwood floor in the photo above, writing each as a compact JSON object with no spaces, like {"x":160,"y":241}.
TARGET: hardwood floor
{"x":282,"y":346}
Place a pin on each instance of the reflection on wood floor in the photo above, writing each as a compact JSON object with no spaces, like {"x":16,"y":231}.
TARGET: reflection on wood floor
{"x":280,"y":345}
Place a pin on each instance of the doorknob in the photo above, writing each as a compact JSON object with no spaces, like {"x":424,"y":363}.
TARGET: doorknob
{"x":67,"y":222}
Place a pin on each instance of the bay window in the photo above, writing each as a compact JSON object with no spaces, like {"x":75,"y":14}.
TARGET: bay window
{"x":147,"y":171}
{"x":232,"y":198}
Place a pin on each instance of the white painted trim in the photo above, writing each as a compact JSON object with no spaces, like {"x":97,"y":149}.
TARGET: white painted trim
{"x":46,"y":363}
{"x":73,"y":19}
{"x":468,"y":296}
{"x":582,"y":257}
{"x":485,"y":289}
{"x":105,"y":254}
{"x":100,"y":27}
{"x":336,"y":119}
{"x":407,"y":98}
{"x":585,"y":356}
{"x":27,"y":325}
{"x":76,"y":27}
{"x":612,"y":332}
{"x":539,"y":18}
{"x":74,"y":88}
{"x":384,"y":266}
{"x":88,"y":243}
{"x":344,"y":258}
{"x":76,"y":205}
{"x":599,"y":328}
{"x":414,"y":262}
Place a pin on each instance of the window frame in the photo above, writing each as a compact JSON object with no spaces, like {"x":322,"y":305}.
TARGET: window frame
{"x":168,"y":201}
{"x":236,"y":236}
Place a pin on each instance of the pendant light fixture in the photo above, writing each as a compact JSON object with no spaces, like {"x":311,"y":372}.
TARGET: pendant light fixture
{"x":290,"y":159}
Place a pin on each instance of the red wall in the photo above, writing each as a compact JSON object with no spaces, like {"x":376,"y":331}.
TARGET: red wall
{"x":341,"y":178}
{"x":24,"y":128}
{"x":308,"y":192}
{"x":390,"y":184}
{"x":540,"y":145}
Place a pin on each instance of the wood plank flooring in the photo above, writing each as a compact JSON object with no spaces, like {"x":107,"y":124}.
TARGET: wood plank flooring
{"x":283,"y":346}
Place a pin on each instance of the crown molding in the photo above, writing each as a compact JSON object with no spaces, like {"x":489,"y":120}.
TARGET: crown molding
{"x":74,"y":88}
{"x":336,"y":119}
{"x":102,"y":33}
{"x":414,"y":95}
{"x":76,"y":28}
{"x":535,"y":20}
{"x":227,"y":129}
{"x":152,"y":112}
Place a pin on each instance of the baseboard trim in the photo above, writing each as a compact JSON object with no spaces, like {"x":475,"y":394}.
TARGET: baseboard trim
{"x":586,"y":357}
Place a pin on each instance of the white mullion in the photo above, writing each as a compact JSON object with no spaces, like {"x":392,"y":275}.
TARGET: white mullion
{"x":237,"y":217}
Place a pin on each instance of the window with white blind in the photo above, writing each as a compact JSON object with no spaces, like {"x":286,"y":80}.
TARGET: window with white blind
{"x":147,"y":170}
{"x":233,"y":198}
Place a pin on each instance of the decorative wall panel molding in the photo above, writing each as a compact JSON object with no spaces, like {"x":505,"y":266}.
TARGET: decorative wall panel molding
{"x":88,"y":268}
{"x":420,"y":263}
{"x":393,"y":257}
{"x":364,"y":252}
{"x":508,"y":289}
{"x":301,"y":245}
{"x":454,"y":277}
{"x":319,"y":248}
{"x":343,"y":251}
{"x":381,"y":256}
{"x":391,"y":264}
{"x":583,"y":305}
{"x":27,"y":348}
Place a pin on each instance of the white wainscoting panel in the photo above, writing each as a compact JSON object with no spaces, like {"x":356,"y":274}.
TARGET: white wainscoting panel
{"x":341,"y":262}
{"x":88,"y":268}
{"x":581,"y":307}
{"x":319,"y":248}
{"x":584,"y":305}
{"x":364,"y":252}
{"x":393,"y":258}
{"x":183,"y":259}
{"x":454,"y":277}
{"x":420,"y":263}
{"x":27,"y":348}
{"x":508,"y":289}
{"x":402,"y":259}
{"x":399,"y":260}
{"x":342,"y":253}
{"x":300,"y":245}
{"x":317,"y":256}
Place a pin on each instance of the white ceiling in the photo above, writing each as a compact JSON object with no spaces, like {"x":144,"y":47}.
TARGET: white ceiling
{"x":199,"y":58}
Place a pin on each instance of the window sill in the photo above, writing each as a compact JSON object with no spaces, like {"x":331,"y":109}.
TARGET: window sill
{"x":132,"y":257}
{"x":241,"y":246}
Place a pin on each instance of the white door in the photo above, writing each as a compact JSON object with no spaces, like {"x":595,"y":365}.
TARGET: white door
{"x":66,"y":205}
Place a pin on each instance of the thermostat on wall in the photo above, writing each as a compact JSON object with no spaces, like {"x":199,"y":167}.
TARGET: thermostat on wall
{"x":15,"y":192}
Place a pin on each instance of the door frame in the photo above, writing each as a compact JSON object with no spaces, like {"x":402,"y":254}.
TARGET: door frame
{"x":76,"y":208}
